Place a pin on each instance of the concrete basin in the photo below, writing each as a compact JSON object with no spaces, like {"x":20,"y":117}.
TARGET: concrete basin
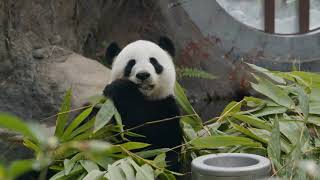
{"x":231,"y":166}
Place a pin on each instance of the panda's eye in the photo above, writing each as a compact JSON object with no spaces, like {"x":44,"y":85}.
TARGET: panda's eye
{"x":156,"y":65}
{"x":128,"y":68}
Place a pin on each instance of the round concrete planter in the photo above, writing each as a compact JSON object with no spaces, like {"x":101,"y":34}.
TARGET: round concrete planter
{"x":230,"y":166}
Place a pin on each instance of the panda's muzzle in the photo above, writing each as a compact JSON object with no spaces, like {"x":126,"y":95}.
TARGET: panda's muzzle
{"x":142,"y":76}
{"x":146,"y":87}
{"x":145,"y":81}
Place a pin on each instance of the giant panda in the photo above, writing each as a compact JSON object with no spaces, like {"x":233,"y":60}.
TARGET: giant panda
{"x":142,"y":89}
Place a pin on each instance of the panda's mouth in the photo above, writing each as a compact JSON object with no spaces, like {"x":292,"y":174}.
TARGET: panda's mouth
{"x":146,"y":87}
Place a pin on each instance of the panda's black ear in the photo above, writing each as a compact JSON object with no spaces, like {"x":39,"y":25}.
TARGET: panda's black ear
{"x":166,"y":44}
{"x":112,"y":51}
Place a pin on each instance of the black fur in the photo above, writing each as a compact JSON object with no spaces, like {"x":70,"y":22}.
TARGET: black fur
{"x":158,"y":67}
{"x":128,"y":68}
{"x":135,"y":110}
{"x":112,"y":51}
{"x":166,"y":44}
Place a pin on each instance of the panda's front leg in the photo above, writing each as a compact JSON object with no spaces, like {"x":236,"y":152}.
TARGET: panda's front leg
{"x":123,"y":91}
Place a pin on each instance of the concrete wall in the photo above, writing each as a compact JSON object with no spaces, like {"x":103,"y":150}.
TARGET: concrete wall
{"x":241,"y":40}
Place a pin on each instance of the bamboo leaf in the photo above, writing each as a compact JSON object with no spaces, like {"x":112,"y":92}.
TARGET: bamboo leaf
{"x":261,"y":133}
{"x":148,"y":169}
{"x":272,"y":91}
{"x":274,"y":145}
{"x":314,"y":120}
{"x":231,"y":108}
{"x":315,"y":94}
{"x":314,"y":108}
{"x":29,"y":144}
{"x":77,"y":169}
{"x":115,"y":173}
{"x":196,"y":125}
{"x":270,"y":110}
{"x":309,"y":77}
{"x":88,"y":125}
{"x":160,"y":161}
{"x":303,"y":98}
{"x":93,"y":146}
{"x":89,"y":165}
{"x":182,"y":99}
{"x":104,"y":116}
{"x":247,"y":132}
{"x":20,"y":167}
{"x":223,"y":141}
{"x":63,"y":114}
{"x":188,"y":131}
{"x":3,"y":172}
{"x":134,"y":145}
{"x":166,"y":176}
{"x":268,"y":73}
{"x":95,"y":175}
{"x":70,"y":163}
{"x":15,"y":124}
{"x":76,"y":122}
{"x":119,"y":122}
{"x":254,"y":102}
{"x":253,"y":121}
{"x":142,"y":173}
{"x":152,"y":153}
{"x":292,"y":130}
{"x":127,"y":169}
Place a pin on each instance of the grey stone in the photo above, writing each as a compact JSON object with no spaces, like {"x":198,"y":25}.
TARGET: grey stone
{"x":55,"y":40}
{"x":39,"y":53}
{"x":36,"y":91}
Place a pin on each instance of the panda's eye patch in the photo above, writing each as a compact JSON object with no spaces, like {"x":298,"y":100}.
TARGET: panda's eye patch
{"x":156,"y":65}
{"x":128,"y":68}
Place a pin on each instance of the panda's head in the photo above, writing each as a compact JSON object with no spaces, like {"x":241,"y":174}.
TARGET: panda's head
{"x":147,"y":64}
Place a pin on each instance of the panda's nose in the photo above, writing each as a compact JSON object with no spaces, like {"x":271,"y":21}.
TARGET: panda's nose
{"x":143,"y":75}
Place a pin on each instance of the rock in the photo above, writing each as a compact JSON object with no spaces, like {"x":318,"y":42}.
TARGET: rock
{"x":39,"y":53}
{"x":36,"y":91}
{"x":55,"y":40}
{"x":85,"y":76}
{"x":61,"y":70}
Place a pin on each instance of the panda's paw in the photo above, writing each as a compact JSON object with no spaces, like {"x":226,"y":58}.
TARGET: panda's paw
{"x":120,"y":87}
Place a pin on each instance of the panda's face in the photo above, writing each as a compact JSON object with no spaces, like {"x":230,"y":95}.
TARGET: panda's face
{"x":147,"y":65}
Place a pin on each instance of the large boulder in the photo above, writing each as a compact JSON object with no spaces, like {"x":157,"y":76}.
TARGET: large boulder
{"x":85,"y":77}
{"x":38,"y":90}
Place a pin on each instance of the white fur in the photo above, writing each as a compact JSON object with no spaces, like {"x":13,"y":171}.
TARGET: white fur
{"x":141,"y":51}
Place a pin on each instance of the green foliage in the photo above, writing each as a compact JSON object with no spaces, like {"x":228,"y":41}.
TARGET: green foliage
{"x":92,"y":158}
{"x":63,"y":115}
{"x":15,"y":124}
{"x":78,"y":149}
{"x":105,"y":114}
{"x":193,"y":73}
{"x":16,"y":169}
{"x":210,"y":142}
{"x":282,"y":124}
